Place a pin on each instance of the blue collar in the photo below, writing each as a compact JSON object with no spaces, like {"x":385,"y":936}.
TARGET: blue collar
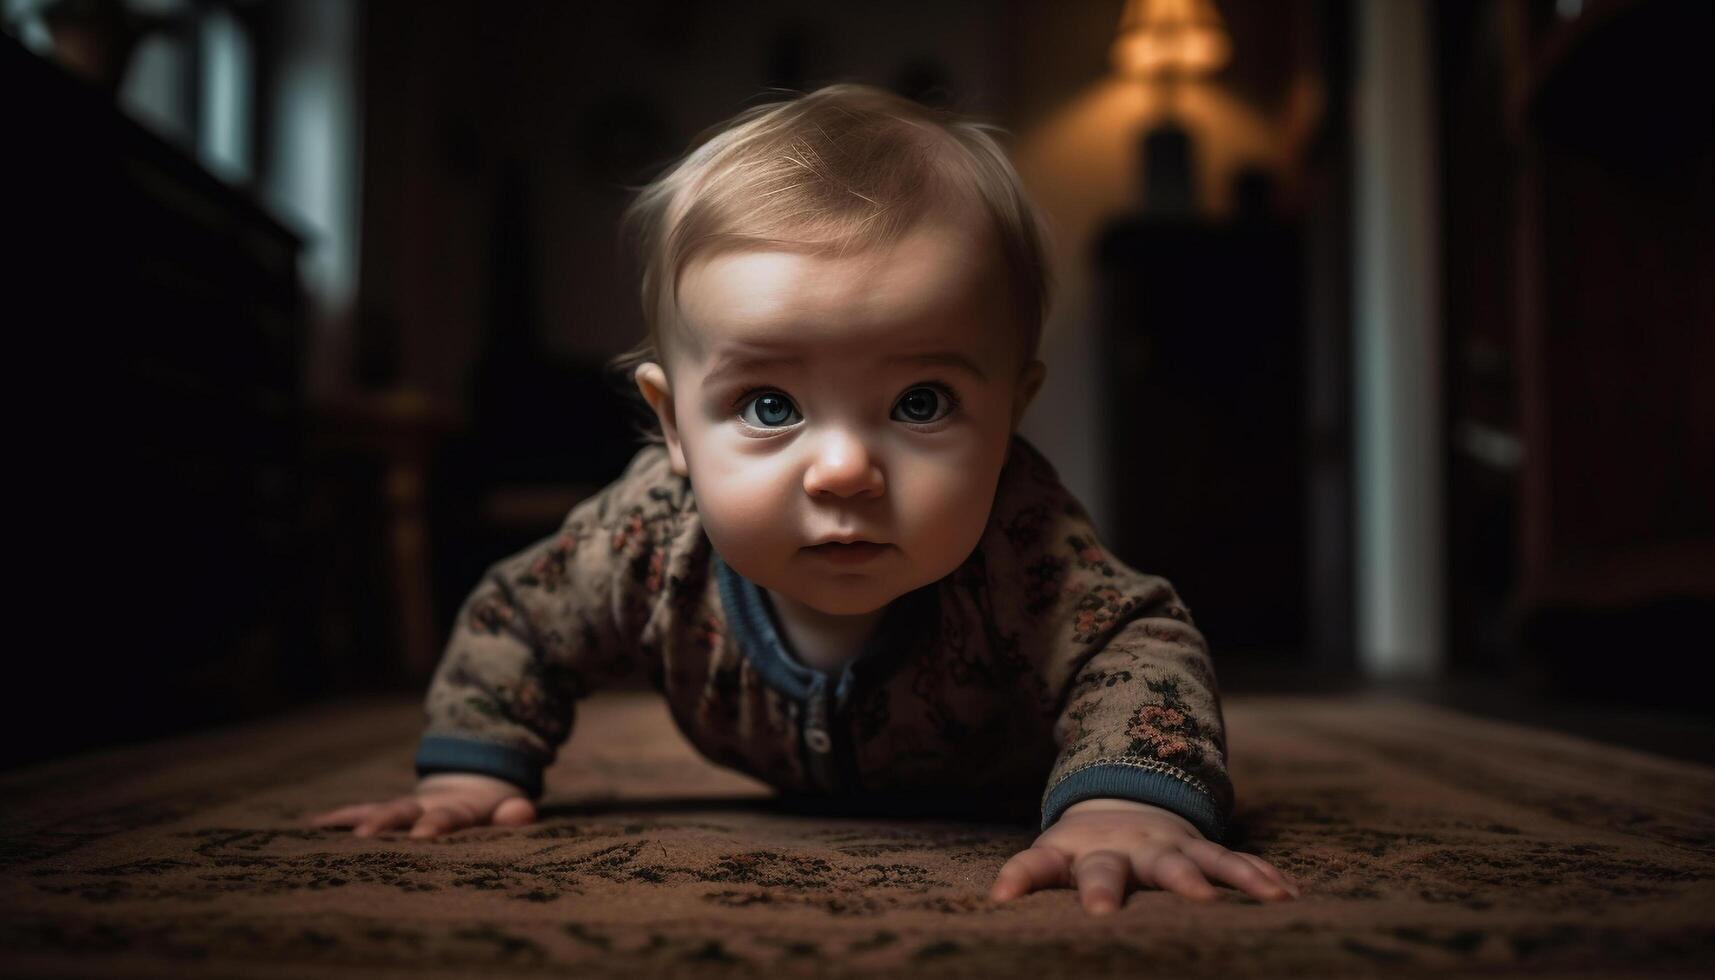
{"x":752,"y":620}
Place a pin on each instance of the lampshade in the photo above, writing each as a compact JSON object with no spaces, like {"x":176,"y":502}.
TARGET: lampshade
{"x":1170,"y":37}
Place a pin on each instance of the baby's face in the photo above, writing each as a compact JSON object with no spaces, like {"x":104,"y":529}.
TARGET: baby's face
{"x":870,"y":396}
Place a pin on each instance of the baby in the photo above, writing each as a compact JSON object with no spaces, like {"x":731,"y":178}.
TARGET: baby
{"x":846,"y":572}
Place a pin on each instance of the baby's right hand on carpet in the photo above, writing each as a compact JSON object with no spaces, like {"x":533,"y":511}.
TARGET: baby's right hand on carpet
{"x":442,"y":803}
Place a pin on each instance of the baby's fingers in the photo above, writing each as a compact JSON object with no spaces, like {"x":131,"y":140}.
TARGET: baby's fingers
{"x":1274,"y":873}
{"x":345,"y":816}
{"x":386,"y":816}
{"x":1102,"y":877}
{"x":1028,"y":870}
{"x":1219,"y":863}
{"x":438,"y":820}
{"x":514,"y":812}
{"x":1172,"y":871}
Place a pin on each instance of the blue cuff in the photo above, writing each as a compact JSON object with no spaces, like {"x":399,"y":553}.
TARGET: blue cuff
{"x":445,"y":753}
{"x":1120,"y":781}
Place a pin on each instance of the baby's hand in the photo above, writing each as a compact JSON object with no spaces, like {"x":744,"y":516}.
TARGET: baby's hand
{"x":442,"y":803}
{"x":1105,"y":844}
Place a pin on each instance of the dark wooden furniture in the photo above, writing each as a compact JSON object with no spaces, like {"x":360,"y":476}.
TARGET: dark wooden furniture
{"x":1202,"y":334}
{"x":154,"y":314}
{"x":1580,"y":195}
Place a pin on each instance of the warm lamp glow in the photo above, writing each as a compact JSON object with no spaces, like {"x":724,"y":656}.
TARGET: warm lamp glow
{"x":1170,"y":37}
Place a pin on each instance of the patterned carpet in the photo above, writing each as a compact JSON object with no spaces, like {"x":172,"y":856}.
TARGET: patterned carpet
{"x":1428,"y":842}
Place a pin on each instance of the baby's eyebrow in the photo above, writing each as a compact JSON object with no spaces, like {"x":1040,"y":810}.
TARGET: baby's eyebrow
{"x":746,"y":363}
{"x":743,"y":363}
{"x":941,"y":358}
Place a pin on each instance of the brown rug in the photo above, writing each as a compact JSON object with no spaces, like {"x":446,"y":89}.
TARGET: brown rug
{"x":1428,"y":842}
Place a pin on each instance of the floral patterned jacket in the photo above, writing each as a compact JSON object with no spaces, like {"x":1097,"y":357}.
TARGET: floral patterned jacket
{"x":1042,"y":669}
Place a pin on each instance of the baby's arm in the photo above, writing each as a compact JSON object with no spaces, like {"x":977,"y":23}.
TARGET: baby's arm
{"x":492,"y":721}
{"x":1140,"y":791}
{"x":542,"y":629}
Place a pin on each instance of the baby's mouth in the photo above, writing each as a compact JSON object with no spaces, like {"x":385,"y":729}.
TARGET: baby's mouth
{"x":854,"y":552}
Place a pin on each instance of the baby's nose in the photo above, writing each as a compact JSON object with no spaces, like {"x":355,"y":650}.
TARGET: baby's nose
{"x":843,"y":467}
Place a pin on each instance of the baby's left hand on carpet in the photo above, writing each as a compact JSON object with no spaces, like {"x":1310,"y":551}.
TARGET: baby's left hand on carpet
{"x":1102,"y":846}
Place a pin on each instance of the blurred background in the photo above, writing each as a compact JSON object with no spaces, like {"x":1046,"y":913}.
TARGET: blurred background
{"x":309,"y":302}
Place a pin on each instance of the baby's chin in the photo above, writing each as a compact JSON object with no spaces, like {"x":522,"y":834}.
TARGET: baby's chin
{"x":833,"y":600}
{"x":844,"y":595}
{"x":834,"y":594}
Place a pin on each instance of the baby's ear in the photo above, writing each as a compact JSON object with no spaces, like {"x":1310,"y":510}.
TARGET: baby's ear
{"x":1029,"y":383}
{"x":652,"y":383}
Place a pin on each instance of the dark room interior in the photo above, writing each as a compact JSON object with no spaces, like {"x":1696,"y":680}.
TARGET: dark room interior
{"x":318,"y":305}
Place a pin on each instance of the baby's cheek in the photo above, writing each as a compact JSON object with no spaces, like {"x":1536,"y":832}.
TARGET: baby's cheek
{"x":947,"y":516}
{"x":743,"y":525}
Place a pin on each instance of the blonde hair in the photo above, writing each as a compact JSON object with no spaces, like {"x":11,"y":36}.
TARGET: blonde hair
{"x":843,"y":169}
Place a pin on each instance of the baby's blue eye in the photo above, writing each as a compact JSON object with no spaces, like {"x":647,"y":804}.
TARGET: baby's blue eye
{"x":920,"y":403}
{"x":772,"y":410}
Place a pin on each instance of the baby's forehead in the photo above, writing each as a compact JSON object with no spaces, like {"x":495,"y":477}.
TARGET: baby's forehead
{"x":937,"y":265}
{"x":925,"y":293}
